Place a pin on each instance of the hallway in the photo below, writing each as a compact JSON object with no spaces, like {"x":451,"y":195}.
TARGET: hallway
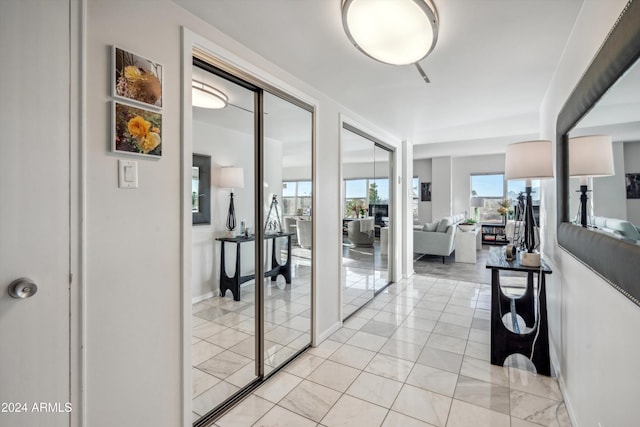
{"x":417,"y":355}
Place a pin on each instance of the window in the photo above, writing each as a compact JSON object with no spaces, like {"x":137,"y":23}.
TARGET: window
{"x":364,"y":192}
{"x":514,"y":188}
{"x":296,"y":198}
{"x":491,"y":187}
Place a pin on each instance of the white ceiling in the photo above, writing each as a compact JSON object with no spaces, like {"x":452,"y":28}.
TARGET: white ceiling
{"x":489,"y":70}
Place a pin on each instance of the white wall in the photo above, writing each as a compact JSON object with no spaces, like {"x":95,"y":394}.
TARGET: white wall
{"x":422,"y":169}
{"x":365,"y":170}
{"x":459,"y":171}
{"x":632,"y":165}
{"x":441,"y":187}
{"x":609,"y":194}
{"x":298,"y":173}
{"x":133,"y":302}
{"x":591,"y":325}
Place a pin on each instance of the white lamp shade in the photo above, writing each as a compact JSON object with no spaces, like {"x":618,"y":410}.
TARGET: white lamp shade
{"x":529,"y":160}
{"x":397,"y":32}
{"x":591,"y":156}
{"x":476,"y":202}
{"x":206,"y":96}
{"x":232,"y":177}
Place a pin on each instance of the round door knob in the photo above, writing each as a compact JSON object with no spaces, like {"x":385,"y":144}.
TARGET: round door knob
{"x":22,"y":288}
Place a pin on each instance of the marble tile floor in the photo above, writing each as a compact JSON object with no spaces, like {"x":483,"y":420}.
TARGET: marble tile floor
{"x":364,"y":270}
{"x":432,"y":265}
{"x":417,"y":355}
{"x":223,"y":342}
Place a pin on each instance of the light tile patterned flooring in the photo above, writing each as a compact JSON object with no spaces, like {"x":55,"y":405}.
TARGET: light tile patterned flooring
{"x":417,"y":355}
{"x":364,"y":270}
{"x":223,"y":343}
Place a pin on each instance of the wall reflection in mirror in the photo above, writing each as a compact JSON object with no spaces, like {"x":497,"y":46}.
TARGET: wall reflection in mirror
{"x":366,"y":216}
{"x":604,"y":163}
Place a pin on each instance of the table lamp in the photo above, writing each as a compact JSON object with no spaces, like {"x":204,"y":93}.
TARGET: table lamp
{"x":589,"y":157}
{"x":231,"y":177}
{"x":529,"y":160}
{"x":476,"y":202}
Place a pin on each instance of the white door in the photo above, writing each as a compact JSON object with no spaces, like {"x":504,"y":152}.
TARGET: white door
{"x":34,"y":212}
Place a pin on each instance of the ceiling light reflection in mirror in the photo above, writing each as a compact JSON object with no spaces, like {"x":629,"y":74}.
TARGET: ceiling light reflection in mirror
{"x":206,"y":96}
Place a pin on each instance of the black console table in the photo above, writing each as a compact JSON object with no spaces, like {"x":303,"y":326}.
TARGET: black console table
{"x":505,"y":342}
{"x":233,"y":283}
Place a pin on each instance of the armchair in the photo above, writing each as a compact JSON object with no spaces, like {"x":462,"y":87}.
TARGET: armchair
{"x":361,"y":232}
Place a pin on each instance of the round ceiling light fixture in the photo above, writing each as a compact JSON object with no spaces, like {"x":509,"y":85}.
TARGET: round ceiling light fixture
{"x":397,"y":32}
{"x":206,"y":96}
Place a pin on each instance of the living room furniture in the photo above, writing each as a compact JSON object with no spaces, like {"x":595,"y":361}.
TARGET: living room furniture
{"x":437,"y":238}
{"x":466,"y":244}
{"x":233,"y":283}
{"x":619,"y":228}
{"x":304,"y":232}
{"x":529,"y":160}
{"x":494,"y":234}
{"x":231,"y":177}
{"x":290,"y":226}
{"x":360,"y":232}
{"x":534,"y":343}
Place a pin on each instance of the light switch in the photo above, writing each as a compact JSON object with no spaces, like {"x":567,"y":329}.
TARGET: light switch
{"x":127,"y":173}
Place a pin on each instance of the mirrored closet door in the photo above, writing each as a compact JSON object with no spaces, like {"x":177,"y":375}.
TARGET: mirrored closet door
{"x":367,"y":215}
{"x":249,"y":317}
{"x":288,"y":227}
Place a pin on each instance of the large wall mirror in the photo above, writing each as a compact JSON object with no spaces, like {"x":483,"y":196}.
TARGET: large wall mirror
{"x":201,"y":189}
{"x":603,"y":113}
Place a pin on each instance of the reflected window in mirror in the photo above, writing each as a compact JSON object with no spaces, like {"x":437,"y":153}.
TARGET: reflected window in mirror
{"x":296,"y":198}
{"x":201,"y":189}
{"x":604,"y":163}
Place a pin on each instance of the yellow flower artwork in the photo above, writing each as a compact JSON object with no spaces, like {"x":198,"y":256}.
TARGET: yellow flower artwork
{"x":137,"y":130}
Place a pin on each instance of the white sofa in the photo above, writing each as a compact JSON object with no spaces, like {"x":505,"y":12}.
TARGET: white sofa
{"x":620,"y":228}
{"x":437,"y":238}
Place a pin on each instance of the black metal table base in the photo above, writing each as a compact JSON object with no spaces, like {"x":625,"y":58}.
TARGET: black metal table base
{"x":504,"y":342}
{"x":233,"y":283}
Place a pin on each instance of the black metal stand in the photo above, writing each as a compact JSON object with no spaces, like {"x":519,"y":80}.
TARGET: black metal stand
{"x":529,"y":223}
{"x":231,"y":216}
{"x":583,"y":205}
{"x":276,"y":225}
{"x":233,"y":283}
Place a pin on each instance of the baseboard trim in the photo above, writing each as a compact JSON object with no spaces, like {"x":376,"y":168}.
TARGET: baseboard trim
{"x":328,"y":332}
{"x":567,"y":401}
{"x":200,"y":298}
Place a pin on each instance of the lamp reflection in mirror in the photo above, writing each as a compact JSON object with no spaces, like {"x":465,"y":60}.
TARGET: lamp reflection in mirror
{"x":589,"y":157}
{"x":231,"y":177}
{"x":529,"y":160}
{"x":206,"y":96}
{"x":398,"y":32}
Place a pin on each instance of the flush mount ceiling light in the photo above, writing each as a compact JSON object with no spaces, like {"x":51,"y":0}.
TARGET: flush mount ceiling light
{"x":398,"y":32}
{"x":206,"y":96}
